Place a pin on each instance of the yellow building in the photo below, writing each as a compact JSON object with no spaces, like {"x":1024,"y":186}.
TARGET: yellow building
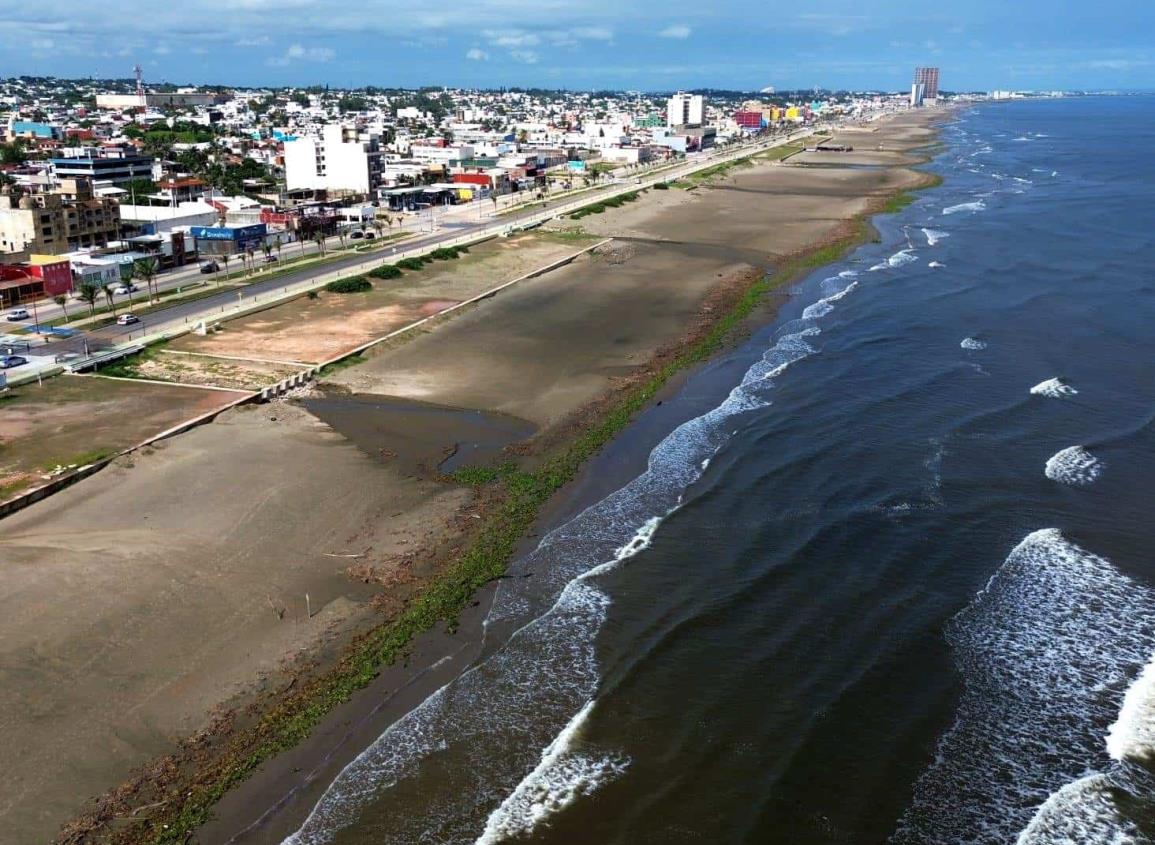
{"x":792,"y":113}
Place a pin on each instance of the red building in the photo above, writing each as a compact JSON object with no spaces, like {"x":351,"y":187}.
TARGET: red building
{"x":41,"y":277}
{"x":748,"y":119}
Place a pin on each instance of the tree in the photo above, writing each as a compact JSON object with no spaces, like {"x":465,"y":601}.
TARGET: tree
{"x":225,"y":259}
{"x":319,"y":239}
{"x":250,"y":254}
{"x":110,"y":297}
{"x":378,"y":226}
{"x":145,"y":268}
{"x":278,"y":243}
{"x":341,"y":236}
{"x":62,"y":300}
{"x":88,"y":293}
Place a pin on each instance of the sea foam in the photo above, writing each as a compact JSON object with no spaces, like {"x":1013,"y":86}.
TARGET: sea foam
{"x":977,"y":205}
{"x":933,"y":236}
{"x":1053,"y":388}
{"x":973,"y":344}
{"x":1047,"y":651}
{"x":1074,"y":466}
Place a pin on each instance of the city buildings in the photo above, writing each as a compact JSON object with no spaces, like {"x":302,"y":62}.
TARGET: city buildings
{"x":70,"y":218}
{"x":924,"y":90}
{"x":342,"y":159}
{"x":114,"y":166}
{"x":684,"y":110}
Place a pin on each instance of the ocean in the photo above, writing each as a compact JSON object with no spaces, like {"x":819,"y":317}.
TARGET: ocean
{"x":885,"y":575}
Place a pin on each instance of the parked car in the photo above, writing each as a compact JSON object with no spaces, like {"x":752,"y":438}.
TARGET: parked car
{"x":17,"y":314}
{"x":354,"y":236}
{"x":210,"y":267}
{"x":368,"y":235}
{"x":127,"y":319}
{"x":8,"y":361}
{"x":270,"y":259}
{"x":121,"y":290}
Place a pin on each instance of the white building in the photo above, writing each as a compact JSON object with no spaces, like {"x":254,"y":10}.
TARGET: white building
{"x":684,"y":110}
{"x":342,"y":159}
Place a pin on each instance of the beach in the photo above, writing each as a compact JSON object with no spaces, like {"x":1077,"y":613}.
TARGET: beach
{"x":156,"y":595}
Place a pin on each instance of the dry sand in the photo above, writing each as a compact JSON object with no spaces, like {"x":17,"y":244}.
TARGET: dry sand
{"x":68,"y":418}
{"x":141,"y":598}
{"x":144,"y":596}
{"x":315,"y":330}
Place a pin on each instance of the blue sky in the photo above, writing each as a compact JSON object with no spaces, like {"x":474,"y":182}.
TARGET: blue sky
{"x":630,"y":44}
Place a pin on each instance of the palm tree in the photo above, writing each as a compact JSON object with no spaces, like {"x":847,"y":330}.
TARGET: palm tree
{"x":145,"y":268}
{"x":267,"y":248}
{"x":110,"y":297}
{"x":319,"y":238}
{"x":62,"y":300}
{"x":493,"y":199}
{"x":250,"y":254}
{"x":341,"y":235}
{"x":127,"y":274}
{"x":377,"y":227}
{"x":88,"y":293}
{"x":225,"y":259}
{"x":278,"y":244}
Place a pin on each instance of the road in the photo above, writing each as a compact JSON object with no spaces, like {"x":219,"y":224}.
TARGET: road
{"x":214,"y":307}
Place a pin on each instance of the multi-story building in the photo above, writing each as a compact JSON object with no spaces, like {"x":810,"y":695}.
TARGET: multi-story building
{"x":924,"y":91}
{"x":342,"y":159}
{"x":111,"y":166}
{"x":53,"y":223}
{"x":684,"y":110}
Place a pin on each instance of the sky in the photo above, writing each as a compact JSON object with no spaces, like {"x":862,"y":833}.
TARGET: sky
{"x":651,"y":45}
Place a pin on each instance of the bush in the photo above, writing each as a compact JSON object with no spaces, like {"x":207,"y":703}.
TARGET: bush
{"x":415,"y":263}
{"x":386,"y":271}
{"x":357,"y":284}
{"x":661,"y":186}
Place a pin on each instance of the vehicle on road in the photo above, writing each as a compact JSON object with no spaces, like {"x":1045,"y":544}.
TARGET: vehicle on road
{"x":127,"y":319}
{"x":210,"y":267}
{"x":17,"y":314}
{"x":270,"y":259}
{"x":369,"y":236}
{"x":9,"y":361}
{"x":356,"y":236}
{"x":121,"y":290}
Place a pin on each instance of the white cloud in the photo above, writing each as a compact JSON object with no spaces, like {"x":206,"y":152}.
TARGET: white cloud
{"x":298,"y":53}
{"x":259,"y":41}
{"x":512,"y":38}
{"x":593,"y":33}
{"x":678,"y":30}
{"x":526,"y":57}
{"x":477,"y":55}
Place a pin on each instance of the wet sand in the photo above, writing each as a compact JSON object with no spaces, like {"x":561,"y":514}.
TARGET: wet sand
{"x":222,"y":526}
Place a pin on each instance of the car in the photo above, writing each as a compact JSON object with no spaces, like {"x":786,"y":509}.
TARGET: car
{"x":127,"y":319}
{"x":17,"y":314}
{"x":8,"y":361}
{"x":369,"y":236}
{"x":355,"y":236}
{"x":121,"y":290}
{"x":210,"y":267}
{"x":270,"y":259}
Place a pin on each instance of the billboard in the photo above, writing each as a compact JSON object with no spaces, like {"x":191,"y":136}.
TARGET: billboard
{"x":228,"y":233}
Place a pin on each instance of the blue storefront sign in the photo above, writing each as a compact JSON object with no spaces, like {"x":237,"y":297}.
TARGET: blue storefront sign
{"x":239,"y":234}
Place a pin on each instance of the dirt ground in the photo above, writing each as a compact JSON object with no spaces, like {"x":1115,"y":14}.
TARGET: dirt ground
{"x":140,"y":598}
{"x":143,"y":597}
{"x":315,"y":330}
{"x":72,"y":419}
{"x":164,"y":365}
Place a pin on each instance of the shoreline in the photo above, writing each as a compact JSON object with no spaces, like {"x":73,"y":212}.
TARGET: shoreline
{"x":573,"y":442}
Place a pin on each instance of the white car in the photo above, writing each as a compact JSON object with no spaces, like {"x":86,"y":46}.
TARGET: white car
{"x":121,"y":290}
{"x":127,"y":319}
{"x":17,"y":314}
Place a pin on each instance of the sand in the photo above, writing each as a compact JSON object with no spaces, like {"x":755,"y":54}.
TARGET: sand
{"x":143,"y":597}
{"x":71,"y":418}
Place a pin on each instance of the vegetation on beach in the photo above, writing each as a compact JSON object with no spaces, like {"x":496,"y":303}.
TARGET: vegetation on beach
{"x":386,"y":271}
{"x":354,"y":284}
{"x":601,"y":205}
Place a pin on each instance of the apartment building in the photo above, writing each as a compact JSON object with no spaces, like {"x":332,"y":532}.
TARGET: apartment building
{"x":68,"y":219}
{"x":342,"y":159}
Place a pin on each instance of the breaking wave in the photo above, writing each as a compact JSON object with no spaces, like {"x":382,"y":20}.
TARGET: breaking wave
{"x":1046,"y":650}
{"x":933,"y":236}
{"x":563,"y":775}
{"x":1053,"y":388}
{"x":977,"y":205}
{"x":973,"y":344}
{"x":1073,"y":465}
{"x":936,"y":264}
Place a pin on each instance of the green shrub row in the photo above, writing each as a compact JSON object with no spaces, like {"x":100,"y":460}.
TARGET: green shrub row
{"x":357,"y":284}
{"x":386,"y":271}
{"x":599,"y":207}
